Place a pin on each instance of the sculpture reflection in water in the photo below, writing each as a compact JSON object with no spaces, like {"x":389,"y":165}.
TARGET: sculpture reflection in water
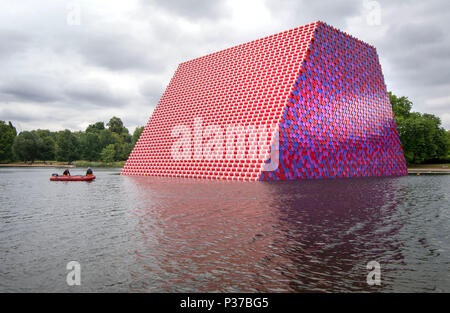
{"x":293,"y":236}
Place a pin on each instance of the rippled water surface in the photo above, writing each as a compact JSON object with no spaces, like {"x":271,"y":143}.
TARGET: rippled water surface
{"x":147,"y":234}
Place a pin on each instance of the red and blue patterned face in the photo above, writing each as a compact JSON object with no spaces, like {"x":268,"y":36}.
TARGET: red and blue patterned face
{"x":323,"y":100}
{"x":338,"y":121}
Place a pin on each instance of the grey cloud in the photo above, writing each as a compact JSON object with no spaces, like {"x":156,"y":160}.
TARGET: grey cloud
{"x":151,"y":89}
{"x":94,"y":93}
{"x":178,"y":45}
{"x":299,"y":12}
{"x":119,"y":52}
{"x":50,"y":91}
{"x":331,"y":11}
{"x":18,"y":114}
{"x":439,"y":104}
{"x":12,"y":115}
{"x":191,"y":9}
{"x":415,"y":34}
{"x":33,"y":90}
{"x":136,"y":122}
{"x":416,"y":48}
{"x":12,"y":42}
{"x":412,"y":70}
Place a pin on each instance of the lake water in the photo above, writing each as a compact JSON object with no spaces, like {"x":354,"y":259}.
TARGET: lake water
{"x":148,"y":234}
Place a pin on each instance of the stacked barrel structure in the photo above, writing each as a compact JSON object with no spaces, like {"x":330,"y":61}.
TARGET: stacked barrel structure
{"x":320,"y":91}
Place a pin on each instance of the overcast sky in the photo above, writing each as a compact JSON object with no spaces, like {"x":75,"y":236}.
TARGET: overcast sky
{"x":60,"y":69}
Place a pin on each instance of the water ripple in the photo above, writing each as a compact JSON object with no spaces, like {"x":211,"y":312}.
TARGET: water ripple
{"x":148,"y":234}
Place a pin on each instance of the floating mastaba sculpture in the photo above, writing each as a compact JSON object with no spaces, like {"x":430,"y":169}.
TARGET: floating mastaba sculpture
{"x":310,"y":102}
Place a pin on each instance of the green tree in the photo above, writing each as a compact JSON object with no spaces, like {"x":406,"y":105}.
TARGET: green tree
{"x":401,"y":106}
{"x":12,"y":127}
{"x":92,"y":144}
{"x":123,"y":150}
{"x":122,"y":147}
{"x":125,"y":134}
{"x":108,"y":153}
{"x":90,"y":147}
{"x":137,"y":133}
{"x":422,"y":137}
{"x":7,"y":135}
{"x":95,"y":128}
{"x":448,"y":142}
{"x":115,"y":125}
{"x":67,"y":146}
{"x":48,"y":148}
{"x":106,"y":138}
{"x":27,"y":146}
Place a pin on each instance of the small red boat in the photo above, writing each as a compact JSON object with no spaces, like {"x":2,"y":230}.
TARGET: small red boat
{"x":72,"y":178}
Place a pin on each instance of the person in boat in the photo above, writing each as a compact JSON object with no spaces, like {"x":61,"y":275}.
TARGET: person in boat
{"x":89,"y":172}
{"x":66,"y":172}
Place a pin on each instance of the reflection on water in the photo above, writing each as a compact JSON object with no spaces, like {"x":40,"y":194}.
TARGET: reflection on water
{"x":150,"y":234}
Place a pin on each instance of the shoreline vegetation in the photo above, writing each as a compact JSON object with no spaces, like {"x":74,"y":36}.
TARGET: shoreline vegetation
{"x":74,"y":164}
{"x":99,"y":145}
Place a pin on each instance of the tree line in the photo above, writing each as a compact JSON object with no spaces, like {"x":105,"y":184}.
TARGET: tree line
{"x":99,"y":142}
{"x":423,"y":139}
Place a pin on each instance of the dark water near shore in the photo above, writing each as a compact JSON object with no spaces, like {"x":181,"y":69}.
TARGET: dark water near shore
{"x":148,"y":234}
